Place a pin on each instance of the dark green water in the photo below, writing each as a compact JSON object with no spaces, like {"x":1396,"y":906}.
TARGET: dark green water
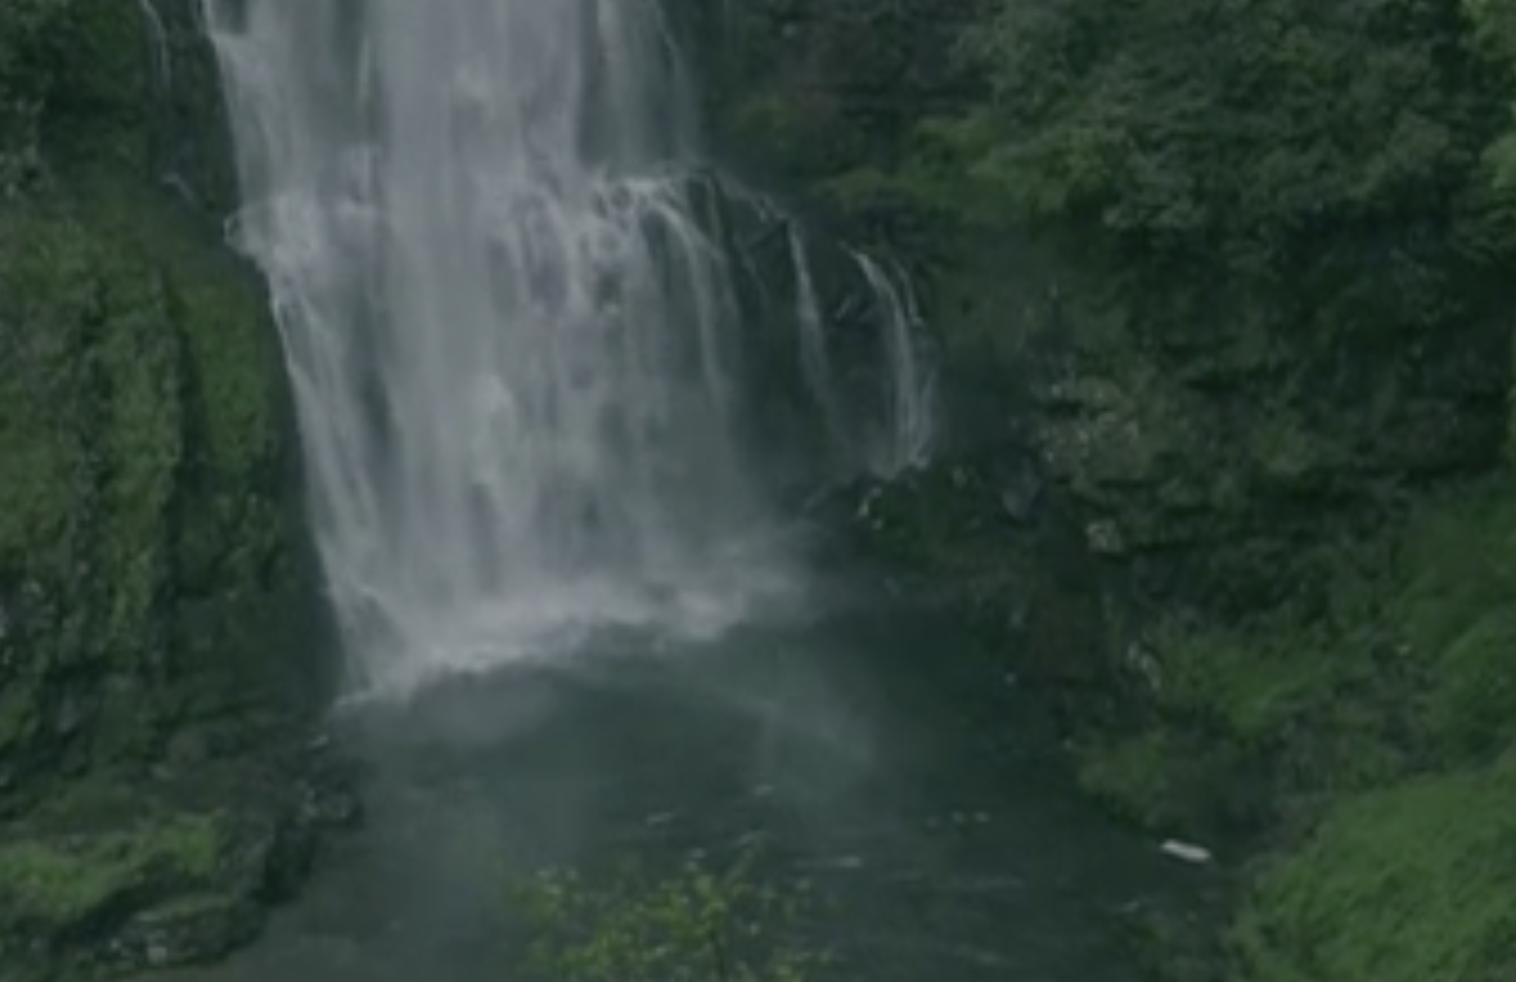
{"x":879,"y":757}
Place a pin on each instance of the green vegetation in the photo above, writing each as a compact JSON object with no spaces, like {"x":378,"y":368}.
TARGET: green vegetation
{"x":1413,"y":882}
{"x":144,"y":532}
{"x":1398,"y":661}
{"x":51,"y":887}
{"x":693,"y":926}
{"x":107,"y":878}
{"x":1495,"y":34}
{"x":1237,"y":275}
{"x":155,"y":598}
{"x":1200,"y":172}
{"x":1372,"y":721}
{"x":69,"y":70}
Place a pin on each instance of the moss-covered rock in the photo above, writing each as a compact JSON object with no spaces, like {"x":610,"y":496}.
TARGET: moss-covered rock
{"x":50,"y":888}
{"x":147,"y":553}
{"x":159,"y":623}
{"x":108,"y":877}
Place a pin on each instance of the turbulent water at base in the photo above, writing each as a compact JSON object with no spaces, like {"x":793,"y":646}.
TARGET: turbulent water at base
{"x":513,"y":337}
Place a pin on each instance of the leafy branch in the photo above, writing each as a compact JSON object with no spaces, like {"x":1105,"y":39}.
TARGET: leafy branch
{"x":692,"y":926}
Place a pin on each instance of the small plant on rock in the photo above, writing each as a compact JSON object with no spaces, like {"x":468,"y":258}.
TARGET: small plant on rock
{"x":692,"y":926}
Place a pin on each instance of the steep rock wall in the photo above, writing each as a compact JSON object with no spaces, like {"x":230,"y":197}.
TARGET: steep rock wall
{"x":162,"y":655}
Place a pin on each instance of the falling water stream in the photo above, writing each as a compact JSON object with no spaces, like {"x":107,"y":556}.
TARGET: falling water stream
{"x":574,"y":620}
{"x":512,"y":342}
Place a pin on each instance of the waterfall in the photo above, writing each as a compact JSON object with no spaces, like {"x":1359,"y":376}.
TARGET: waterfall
{"x":814,"y":361}
{"x":510,"y":315}
{"x":158,"y":49}
{"x":511,"y":343}
{"x":910,"y":383}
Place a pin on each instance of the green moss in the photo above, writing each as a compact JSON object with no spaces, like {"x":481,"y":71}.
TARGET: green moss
{"x":147,"y":548}
{"x":1249,"y":683}
{"x":98,"y":48}
{"x":1413,"y":883}
{"x":228,"y":374}
{"x":95,"y":412}
{"x":156,"y":597}
{"x":55,"y":885}
{"x":24,"y":24}
{"x":49,"y":285}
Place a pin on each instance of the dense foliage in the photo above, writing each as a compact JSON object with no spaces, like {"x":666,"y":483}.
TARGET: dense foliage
{"x":1328,"y":160}
{"x":1495,"y":32}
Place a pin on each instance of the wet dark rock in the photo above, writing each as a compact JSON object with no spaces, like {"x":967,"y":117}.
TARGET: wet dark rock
{"x":189,"y":931}
{"x":1022,"y":493}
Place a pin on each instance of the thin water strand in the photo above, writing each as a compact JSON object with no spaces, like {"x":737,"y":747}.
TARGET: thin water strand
{"x":911,"y":383}
{"x":814,"y":360}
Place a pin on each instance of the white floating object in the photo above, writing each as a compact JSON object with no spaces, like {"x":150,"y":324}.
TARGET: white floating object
{"x":1186,"y":852}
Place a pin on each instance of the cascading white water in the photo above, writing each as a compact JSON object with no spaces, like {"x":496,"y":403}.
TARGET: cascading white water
{"x":157,"y":40}
{"x":510,"y":339}
{"x":814,"y":360}
{"x":901,"y":434}
{"x":911,"y":419}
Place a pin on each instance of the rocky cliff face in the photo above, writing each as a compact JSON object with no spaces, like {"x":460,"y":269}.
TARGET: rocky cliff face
{"x":1224,"y":299}
{"x":161,"y":653}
